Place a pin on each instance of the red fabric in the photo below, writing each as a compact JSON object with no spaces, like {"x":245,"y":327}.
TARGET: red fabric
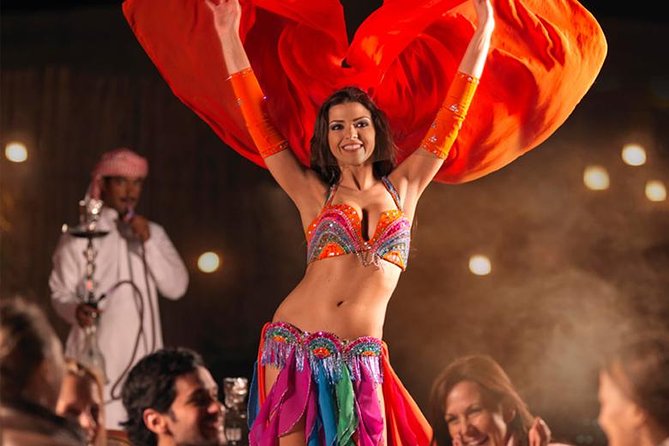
{"x":405,"y":423}
{"x":545,"y":56}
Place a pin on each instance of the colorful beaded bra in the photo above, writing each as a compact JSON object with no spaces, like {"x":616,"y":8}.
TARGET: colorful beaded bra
{"x":337,"y":231}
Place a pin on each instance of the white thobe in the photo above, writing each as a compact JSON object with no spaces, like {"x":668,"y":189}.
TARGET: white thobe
{"x":120,"y":272}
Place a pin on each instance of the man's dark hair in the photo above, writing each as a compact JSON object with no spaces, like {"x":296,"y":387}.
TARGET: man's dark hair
{"x":150,"y":385}
{"x":26,"y":340}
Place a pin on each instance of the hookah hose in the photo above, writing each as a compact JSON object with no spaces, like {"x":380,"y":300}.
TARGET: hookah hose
{"x":139,"y":303}
{"x":114,"y":392}
{"x":148,"y":291}
{"x":127,"y":219}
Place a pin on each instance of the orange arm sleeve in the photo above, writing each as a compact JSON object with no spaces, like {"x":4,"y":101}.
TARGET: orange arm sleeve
{"x":250,"y":100}
{"x":443,"y":131}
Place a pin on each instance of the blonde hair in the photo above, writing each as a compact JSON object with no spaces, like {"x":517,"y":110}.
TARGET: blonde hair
{"x":80,"y":371}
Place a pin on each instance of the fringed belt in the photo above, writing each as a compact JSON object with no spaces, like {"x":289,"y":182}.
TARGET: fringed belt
{"x":326,"y":352}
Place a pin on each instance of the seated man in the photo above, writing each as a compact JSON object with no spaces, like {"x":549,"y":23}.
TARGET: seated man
{"x":31,"y":372}
{"x":172,"y":399}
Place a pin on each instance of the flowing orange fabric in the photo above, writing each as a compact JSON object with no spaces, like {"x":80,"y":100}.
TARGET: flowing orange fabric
{"x":545,"y":55}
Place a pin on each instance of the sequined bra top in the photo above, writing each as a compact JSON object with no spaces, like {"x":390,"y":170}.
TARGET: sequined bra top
{"x":337,"y":231}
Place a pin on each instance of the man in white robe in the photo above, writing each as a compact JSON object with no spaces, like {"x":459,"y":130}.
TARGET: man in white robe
{"x":134,"y":263}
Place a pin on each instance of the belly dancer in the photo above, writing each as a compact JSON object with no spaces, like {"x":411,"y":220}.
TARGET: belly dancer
{"x":323,"y":375}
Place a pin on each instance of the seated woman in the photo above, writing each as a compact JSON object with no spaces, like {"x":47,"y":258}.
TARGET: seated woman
{"x":474,"y":403}
{"x":81,"y":401}
{"x":634,"y":392}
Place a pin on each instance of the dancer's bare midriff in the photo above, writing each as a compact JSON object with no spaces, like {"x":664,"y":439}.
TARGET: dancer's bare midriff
{"x":341,"y":296}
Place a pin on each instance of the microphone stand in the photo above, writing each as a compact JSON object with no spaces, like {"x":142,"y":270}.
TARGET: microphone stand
{"x":89,"y":353}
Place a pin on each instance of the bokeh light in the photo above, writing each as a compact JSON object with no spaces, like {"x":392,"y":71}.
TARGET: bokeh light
{"x":596,"y":178}
{"x":16,"y":152}
{"x":208,"y":262}
{"x":655,"y":190}
{"x":634,"y":155}
{"x":480,"y":265}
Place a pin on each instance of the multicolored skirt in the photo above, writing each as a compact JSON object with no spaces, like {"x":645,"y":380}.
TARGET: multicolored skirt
{"x":332,"y":385}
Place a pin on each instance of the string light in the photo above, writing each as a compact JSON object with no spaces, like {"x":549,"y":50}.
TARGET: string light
{"x":596,"y":178}
{"x":16,"y":152}
{"x":655,"y":190}
{"x":208,"y":262}
{"x":634,"y":155}
{"x":480,"y":265}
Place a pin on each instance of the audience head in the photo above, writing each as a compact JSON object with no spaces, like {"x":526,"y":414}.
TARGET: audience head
{"x":172,"y":399}
{"x":81,"y":400}
{"x":31,"y":355}
{"x":473,"y":400}
{"x":634,"y":391}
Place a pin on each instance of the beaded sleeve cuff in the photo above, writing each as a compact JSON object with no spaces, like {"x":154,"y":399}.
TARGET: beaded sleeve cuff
{"x":443,"y":131}
{"x":250,"y":99}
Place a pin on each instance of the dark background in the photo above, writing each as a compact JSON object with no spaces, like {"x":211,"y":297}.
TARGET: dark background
{"x":572,"y":268}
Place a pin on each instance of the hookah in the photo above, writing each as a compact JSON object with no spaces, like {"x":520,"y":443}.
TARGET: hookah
{"x":236,"y":429}
{"x":89,"y":352}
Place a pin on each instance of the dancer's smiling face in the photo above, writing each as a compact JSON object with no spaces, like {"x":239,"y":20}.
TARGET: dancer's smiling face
{"x":351,"y":134}
{"x":474,"y":420}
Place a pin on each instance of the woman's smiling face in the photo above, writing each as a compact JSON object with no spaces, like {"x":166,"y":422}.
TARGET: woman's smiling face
{"x":471,"y":419}
{"x":351,"y":134}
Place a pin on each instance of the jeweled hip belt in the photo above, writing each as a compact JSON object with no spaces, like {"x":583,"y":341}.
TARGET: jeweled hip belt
{"x":325,"y":353}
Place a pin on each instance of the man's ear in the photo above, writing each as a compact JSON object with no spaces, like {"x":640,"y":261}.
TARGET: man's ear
{"x":155,"y":421}
{"x":638,"y":416}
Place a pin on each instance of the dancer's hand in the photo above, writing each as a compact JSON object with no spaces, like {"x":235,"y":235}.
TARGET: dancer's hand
{"x":227,"y":15}
{"x":484,"y":12}
{"x":539,"y":434}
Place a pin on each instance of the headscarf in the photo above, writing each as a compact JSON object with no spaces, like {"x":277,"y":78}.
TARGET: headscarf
{"x":121,"y":162}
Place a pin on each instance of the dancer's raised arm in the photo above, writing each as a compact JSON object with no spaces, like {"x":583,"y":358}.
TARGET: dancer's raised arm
{"x":416,"y":172}
{"x":300,"y":183}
